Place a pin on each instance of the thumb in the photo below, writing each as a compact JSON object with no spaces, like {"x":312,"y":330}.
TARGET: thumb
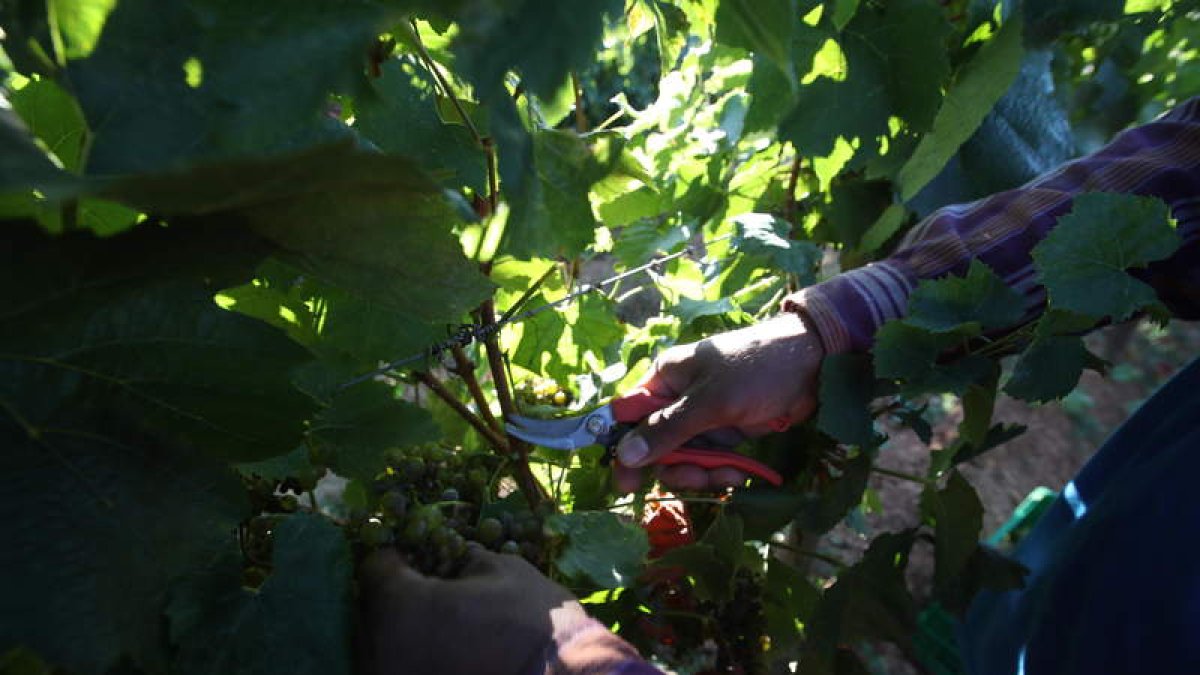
{"x":664,"y":431}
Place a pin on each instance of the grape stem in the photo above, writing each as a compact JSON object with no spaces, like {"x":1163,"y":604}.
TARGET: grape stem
{"x":900,"y":474}
{"x":827,"y":559}
{"x":534,"y":493}
{"x":465,"y":369}
{"x":493,"y":437}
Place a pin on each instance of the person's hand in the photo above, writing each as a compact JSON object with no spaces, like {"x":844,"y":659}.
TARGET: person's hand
{"x":499,"y":616}
{"x":756,"y":379}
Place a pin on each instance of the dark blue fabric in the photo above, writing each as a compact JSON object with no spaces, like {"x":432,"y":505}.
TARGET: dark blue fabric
{"x":1115,"y":582}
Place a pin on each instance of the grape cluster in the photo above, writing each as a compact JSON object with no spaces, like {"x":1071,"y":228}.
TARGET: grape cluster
{"x":541,"y":397}
{"x":429,"y":508}
{"x":743,"y":626}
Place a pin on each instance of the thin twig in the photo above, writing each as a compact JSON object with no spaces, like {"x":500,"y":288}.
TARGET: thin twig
{"x":789,"y":203}
{"x":495,"y":439}
{"x":900,"y":474}
{"x":534,"y":493}
{"x":441,"y":79}
{"x":827,"y":559}
{"x":466,"y":370}
{"x":581,"y":120}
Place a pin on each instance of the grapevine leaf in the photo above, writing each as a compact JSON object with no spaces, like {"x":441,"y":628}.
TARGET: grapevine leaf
{"x":21,"y":661}
{"x":1049,"y":369}
{"x":23,"y":165}
{"x":996,"y":435}
{"x":1048,"y":19}
{"x":126,"y":328}
{"x":278,"y":468}
{"x":119,"y":515}
{"x":400,"y":117}
{"x":978,"y":402}
{"x":765,"y":237}
{"x":765,"y":511}
{"x":847,"y":388}
{"x":363,"y":422}
{"x":911,"y":35}
{"x":79,"y":23}
{"x":957,"y":516}
{"x":977,"y":87}
{"x":981,"y":299}
{"x":251,"y":89}
{"x":711,"y":574}
{"x":299,"y":620}
{"x":843,"y":12}
{"x":883,"y":229}
{"x":764,"y":28}
{"x":591,"y":488}
{"x":868,"y":601}
{"x":853,"y":106}
{"x":986,"y":568}
{"x":903,"y":351}
{"x":822,"y":511}
{"x":600,"y":547}
{"x":543,"y":42}
{"x":789,"y":597}
{"x":54,"y":119}
{"x":551,"y":212}
{"x":1082,"y":261}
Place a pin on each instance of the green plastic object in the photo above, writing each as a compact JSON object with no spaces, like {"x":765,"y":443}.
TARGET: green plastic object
{"x":935,"y":644}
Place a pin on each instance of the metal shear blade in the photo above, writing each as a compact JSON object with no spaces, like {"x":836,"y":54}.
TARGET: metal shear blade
{"x":567,"y":433}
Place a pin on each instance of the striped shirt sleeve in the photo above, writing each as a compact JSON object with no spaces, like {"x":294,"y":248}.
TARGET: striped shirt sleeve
{"x":1160,"y":159}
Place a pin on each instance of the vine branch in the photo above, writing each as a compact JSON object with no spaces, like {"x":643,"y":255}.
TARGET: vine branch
{"x":493,"y":437}
{"x":465,"y":369}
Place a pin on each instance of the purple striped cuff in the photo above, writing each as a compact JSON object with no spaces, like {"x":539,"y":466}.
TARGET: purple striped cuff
{"x":846,"y":310}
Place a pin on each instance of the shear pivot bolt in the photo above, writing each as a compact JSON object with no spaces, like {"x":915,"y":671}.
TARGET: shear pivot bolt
{"x":596,"y":425}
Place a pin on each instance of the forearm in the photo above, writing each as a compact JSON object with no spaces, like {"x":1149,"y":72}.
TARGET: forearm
{"x":1160,"y":159}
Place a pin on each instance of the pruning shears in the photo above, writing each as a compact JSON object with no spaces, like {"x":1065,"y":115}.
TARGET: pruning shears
{"x":608,"y":423}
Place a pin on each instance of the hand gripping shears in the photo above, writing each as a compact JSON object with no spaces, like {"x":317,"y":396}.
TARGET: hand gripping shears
{"x":608,"y":423}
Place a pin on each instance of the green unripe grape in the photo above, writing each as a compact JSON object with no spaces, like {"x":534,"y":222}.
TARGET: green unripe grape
{"x":477,"y":478}
{"x":413,"y":469}
{"x":289,"y":503}
{"x":375,"y":533}
{"x":450,"y":495}
{"x":489,"y":532}
{"x":510,"y":547}
{"x":415,"y":531}
{"x":395,"y":503}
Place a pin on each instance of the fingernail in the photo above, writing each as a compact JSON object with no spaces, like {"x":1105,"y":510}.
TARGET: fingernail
{"x":632,"y":450}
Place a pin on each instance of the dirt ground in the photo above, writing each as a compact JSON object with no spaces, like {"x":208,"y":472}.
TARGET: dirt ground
{"x":1060,"y":439}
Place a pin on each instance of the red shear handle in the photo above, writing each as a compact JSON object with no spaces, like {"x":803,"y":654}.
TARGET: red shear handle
{"x":715,"y":459}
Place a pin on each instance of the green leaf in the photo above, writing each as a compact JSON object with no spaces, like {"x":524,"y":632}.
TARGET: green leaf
{"x":986,"y":568}
{"x":976,"y":88}
{"x":54,"y":118}
{"x":1082,"y":261}
{"x":1048,"y":19}
{"x":259,"y":81}
{"x":1049,"y":369}
{"x":911,"y":35}
{"x":957,"y":516}
{"x":883,"y":229}
{"x":906,"y":352}
{"x":764,"y":28}
{"x":996,"y":435}
{"x":543,"y":42}
{"x":827,"y":508}
{"x":843,"y":12}
{"x":97,"y":518}
{"x":981,"y":299}
{"x":125,"y":329}
{"x":868,"y":601}
{"x":766,"y":237}
{"x":765,"y":511}
{"x":711,"y":573}
{"x":854,"y":106}
{"x":400,"y":117}
{"x":21,"y":661}
{"x":847,"y":389}
{"x":23,"y":165}
{"x":601,"y":547}
{"x":554,"y":216}
{"x":299,"y":620}
{"x":364,"y":421}
{"x":79,"y":23}
{"x":978,"y":402}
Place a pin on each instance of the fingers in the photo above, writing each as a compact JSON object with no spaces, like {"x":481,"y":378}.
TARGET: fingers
{"x":694,"y":478}
{"x":672,"y":372}
{"x":385,"y":571}
{"x":665,"y":430}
